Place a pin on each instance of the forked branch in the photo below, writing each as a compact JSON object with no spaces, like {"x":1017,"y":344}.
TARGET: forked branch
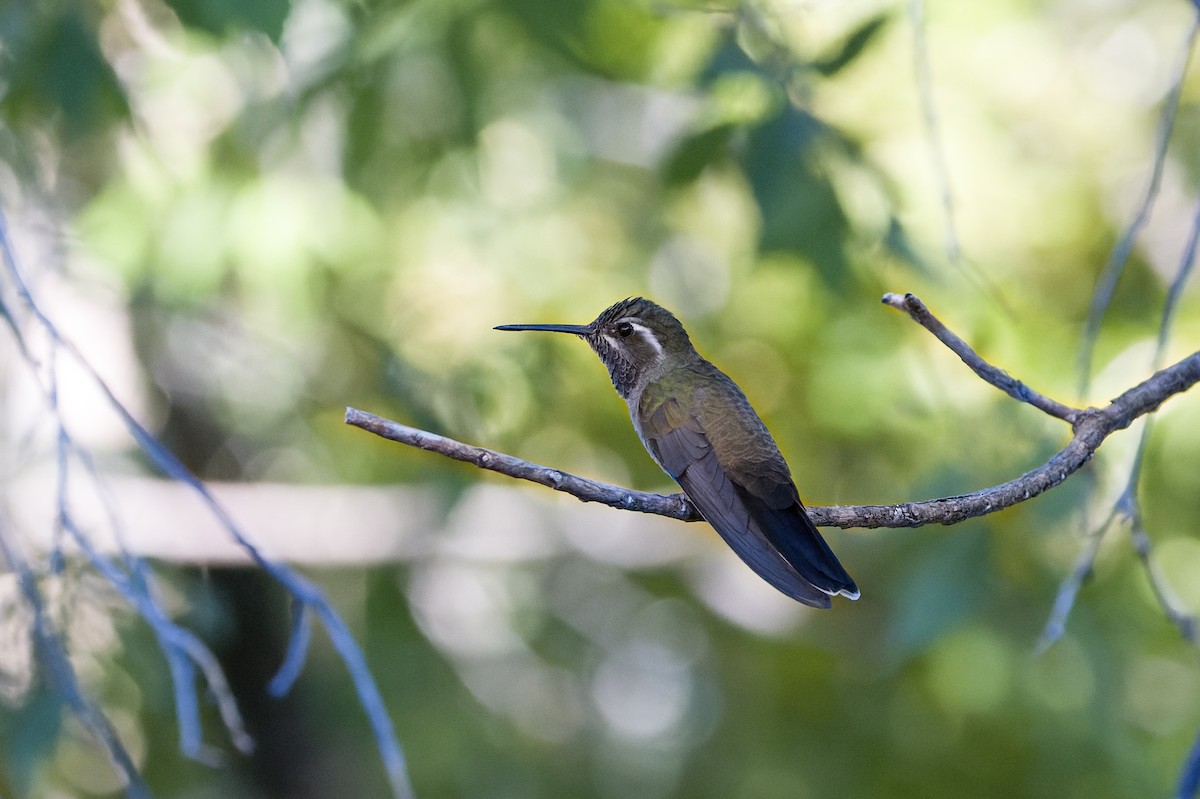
{"x":1090,"y":428}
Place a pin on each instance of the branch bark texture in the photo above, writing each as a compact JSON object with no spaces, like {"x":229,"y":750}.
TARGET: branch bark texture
{"x":1090,"y":427}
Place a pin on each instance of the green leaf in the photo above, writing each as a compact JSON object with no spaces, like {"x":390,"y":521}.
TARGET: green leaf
{"x":695,"y":153}
{"x":801,"y":212}
{"x":941,"y":590}
{"x":29,"y":736}
{"x":220,"y":17}
{"x":900,"y":244}
{"x":56,"y":71}
{"x":852,"y":47}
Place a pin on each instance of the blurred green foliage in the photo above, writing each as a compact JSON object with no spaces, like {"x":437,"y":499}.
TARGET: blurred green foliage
{"x":312,"y":204}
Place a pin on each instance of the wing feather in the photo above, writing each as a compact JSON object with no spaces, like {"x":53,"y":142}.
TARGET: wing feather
{"x":771,"y":533}
{"x":685,"y":453}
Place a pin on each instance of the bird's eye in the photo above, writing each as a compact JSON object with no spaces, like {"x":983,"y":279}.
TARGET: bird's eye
{"x":624,"y":329}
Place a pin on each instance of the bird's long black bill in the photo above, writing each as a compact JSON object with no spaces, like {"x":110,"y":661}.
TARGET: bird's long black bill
{"x":577,"y":330}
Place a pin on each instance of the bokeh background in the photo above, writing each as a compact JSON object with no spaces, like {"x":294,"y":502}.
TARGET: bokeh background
{"x":248,"y":216}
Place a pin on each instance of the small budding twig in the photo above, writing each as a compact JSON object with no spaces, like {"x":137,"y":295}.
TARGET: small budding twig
{"x":1090,"y":427}
{"x":997,"y":377}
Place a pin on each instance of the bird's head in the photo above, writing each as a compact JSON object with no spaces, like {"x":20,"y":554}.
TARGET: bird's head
{"x":634,"y":338}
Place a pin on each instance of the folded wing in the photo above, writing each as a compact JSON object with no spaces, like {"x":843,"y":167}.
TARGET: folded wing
{"x":779,"y":543}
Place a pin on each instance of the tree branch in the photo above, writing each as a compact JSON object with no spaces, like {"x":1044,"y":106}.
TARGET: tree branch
{"x":1090,"y":427}
{"x":676,"y":506}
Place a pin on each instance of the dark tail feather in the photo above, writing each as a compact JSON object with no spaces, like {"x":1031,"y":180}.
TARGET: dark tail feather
{"x":794,"y":535}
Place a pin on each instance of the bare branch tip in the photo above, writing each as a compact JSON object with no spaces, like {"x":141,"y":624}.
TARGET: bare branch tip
{"x":912,"y":305}
{"x":907,"y":302}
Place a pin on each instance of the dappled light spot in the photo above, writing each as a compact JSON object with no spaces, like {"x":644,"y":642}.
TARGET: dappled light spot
{"x":1178,"y":558}
{"x":1062,"y":678}
{"x":642,"y":690}
{"x":969,"y":672}
{"x":738,"y":595}
{"x":1160,"y":694}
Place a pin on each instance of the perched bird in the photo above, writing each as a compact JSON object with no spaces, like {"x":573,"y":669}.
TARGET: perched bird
{"x":699,"y":427}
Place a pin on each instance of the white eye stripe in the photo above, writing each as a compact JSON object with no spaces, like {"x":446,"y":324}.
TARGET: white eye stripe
{"x":649,"y":336}
{"x":643,"y":332}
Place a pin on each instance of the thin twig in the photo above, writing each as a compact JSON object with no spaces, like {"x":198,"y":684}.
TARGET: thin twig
{"x":1189,"y":778}
{"x":1187,"y":261}
{"x":924,"y":78}
{"x":58,"y":665}
{"x":1064,"y":602}
{"x":1128,"y":505}
{"x":1110,"y":275}
{"x":993,"y":375}
{"x":1185,"y":622}
{"x":184,"y":651}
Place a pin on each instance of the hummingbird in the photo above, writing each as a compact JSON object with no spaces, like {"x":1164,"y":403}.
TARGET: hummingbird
{"x":700,"y":429}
